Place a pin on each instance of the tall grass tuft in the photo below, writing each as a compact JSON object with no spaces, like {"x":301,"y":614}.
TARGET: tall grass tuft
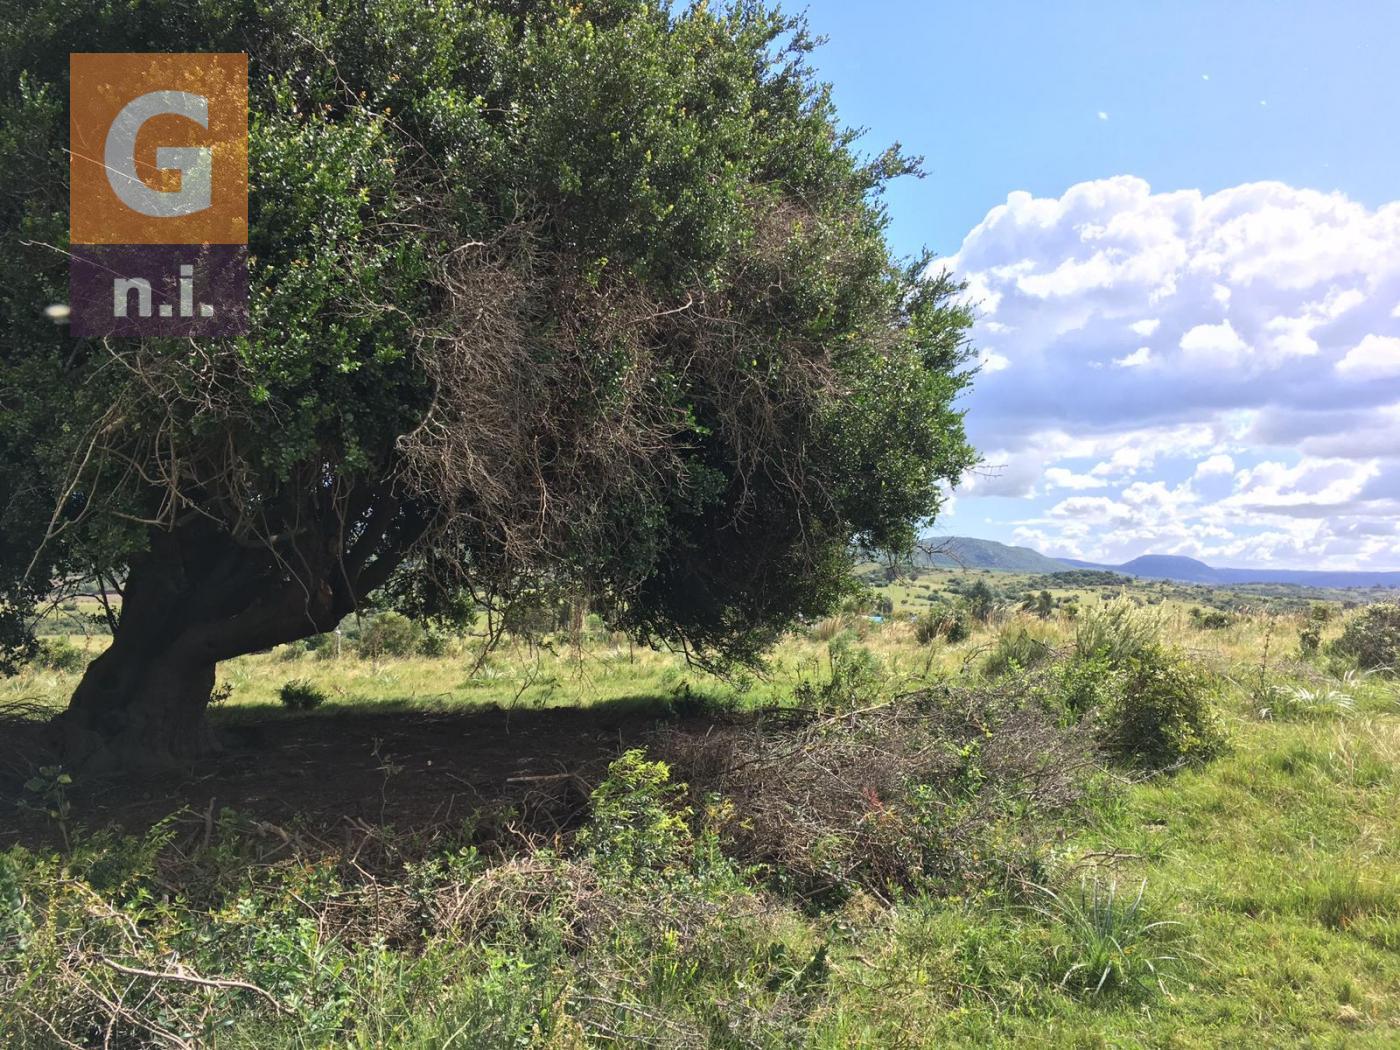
{"x":1108,"y":940}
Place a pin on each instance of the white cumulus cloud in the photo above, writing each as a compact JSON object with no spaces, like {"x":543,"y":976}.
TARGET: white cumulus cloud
{"x":1254,"y":393}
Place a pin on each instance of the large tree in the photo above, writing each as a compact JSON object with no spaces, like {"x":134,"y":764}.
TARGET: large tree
{"x":591,"y":294}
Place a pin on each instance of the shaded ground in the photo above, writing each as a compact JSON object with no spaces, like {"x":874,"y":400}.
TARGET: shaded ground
{"x":406,"y":768}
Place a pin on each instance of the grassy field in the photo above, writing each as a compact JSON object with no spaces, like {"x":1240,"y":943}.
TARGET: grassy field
{"x":879,"y":841}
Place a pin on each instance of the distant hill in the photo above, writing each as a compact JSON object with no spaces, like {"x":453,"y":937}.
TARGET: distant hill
{"x":964,"y":552}
{"x":1169,"y":567}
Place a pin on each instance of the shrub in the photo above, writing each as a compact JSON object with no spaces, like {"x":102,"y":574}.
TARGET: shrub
{"x":301,"y":695}
{"x":957,"y":627}
{"x":928,"y":627}
{"x":389,"y":634}
{"x":317,"y":642}
{"x":980,"y":601}
{"x":1042,"y":604}
{"x":949,"y":622}
{"x":1210,"y":619}
{"x":1310,"y":639}
{"x":1372,"y":638}
{"x":1018,"y":648}
{"x":1117,"y":630}
{"x":433,"y":644}
{"x":952,"y":623}
{"x":856,"y":680}
{"x":59,"y":654}
{"x":1086,"y":683}
{"x":1161,"y":712}
{"x":637,"y":820}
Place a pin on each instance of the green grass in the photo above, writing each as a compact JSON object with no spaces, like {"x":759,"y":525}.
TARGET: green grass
{"x":1251,"y":901}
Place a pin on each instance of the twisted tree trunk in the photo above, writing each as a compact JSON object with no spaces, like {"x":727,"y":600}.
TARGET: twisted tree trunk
{"x":196,"y":598}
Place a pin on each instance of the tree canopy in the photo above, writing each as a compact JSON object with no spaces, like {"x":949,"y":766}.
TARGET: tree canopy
{"x":593,"y":294}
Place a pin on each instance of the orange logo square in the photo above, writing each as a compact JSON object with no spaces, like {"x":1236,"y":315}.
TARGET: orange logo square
{"x":159,"y":148}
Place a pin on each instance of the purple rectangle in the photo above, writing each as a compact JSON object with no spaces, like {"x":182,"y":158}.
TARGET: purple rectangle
{"x":195,"y":290}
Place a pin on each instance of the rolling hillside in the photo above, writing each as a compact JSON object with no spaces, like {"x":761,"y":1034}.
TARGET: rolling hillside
{"x":964,"y":552}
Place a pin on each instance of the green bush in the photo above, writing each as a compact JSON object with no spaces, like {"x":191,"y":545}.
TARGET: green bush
{"x":59,"y":654}
{"x":856,"y":680}
{"x":981,"y":602}
{"x":638,"y":820}
{"x":1017,"y":648}
{"x":1210,"y":619}
{"x":1117,"y":630}
{"x":1310,"y":639}
{"x":1372,"y":637}
{"x":389,"y":634}
{"x":301,"y":695}
{"x":1161,"y":712}
{"x":952,"y":623}
{"x":434,"y":644}
{"x":1085,"y":684}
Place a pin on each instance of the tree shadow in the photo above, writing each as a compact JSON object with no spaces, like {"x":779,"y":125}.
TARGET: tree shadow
{"x":383,"y":762}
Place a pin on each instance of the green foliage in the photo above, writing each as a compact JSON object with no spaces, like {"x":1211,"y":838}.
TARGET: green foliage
{"x":389,"y":634}
{"x":58,"y":654}
{"x":535,"y":290}
{"x":952,"y":623}
{"x":1117,"y":630}
{"x":1161,"y":712}
{"x":1042,"y":604}
{"x":46,"y":792}
{"x":1019,"y":647}
{"x":637,"y":819}
{"x":1301,"y":701}
{"x":434,"y":644}
{"x":855,"y":679}
{"x":1210,"y":619}
{"x":301,"y":695}
{"x":928,"y":627}
{"x":15,"y":923}
{"x":1372,"y":637}
{"x":1085,"y":684}
{"x":1310,"y":639}
{"x":980,"y":601}
{"x":958,"y":627}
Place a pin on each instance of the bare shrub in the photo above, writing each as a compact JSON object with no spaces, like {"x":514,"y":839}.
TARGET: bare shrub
{"x":937,"y":789}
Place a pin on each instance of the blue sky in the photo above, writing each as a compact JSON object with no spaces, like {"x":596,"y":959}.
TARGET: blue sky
{"x":1181,"y":222}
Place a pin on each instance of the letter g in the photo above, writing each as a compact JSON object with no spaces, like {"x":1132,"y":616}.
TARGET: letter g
{"x":194,"y":163}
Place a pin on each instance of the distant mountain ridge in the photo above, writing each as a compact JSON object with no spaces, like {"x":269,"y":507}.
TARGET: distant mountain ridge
{"x":968,"y":553}
{"x":964,"y":552}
